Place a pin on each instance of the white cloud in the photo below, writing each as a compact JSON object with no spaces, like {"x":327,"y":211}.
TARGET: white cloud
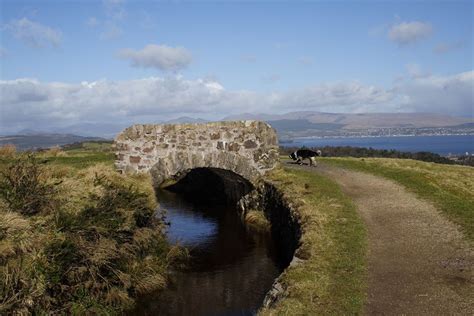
{"x":92,"y":22}
{"x":404,"y":33}
{"x":439,"y":94}
{"x":111,"y":31}
{"x":29,"y":103}
{"x":443,"y":48}
{"x":33,"y":33}
{"x":114,"y":9}
{"x":415,"y":71}
{"x":161,"y":57}
{"x":110,"y":27}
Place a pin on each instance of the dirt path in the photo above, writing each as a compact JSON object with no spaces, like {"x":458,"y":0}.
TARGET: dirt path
{"x":418,"y":262}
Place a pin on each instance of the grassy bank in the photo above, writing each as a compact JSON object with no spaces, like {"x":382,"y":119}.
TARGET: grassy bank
{"x":450,"y":188}
{"x":75,"y":236}
{"x":331,"y":280}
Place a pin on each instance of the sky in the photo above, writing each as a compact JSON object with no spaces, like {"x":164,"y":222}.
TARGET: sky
{"x":83,"y":63}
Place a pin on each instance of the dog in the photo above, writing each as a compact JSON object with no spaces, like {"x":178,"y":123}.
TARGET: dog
{"x":302,"y":154}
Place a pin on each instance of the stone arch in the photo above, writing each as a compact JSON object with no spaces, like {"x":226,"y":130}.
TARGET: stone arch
{"x":169,"y":151}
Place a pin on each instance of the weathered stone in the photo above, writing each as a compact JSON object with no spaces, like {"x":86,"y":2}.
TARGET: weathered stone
{"x":250,"y":144}
{"x":235,"y":147}
{"x":220,"y":145}
{"x":135,"y":159}
{"x":175,"y":151}
{"x":215,"y":136}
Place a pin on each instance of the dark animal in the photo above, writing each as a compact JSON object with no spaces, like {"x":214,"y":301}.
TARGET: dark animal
{"x":302,"y":154}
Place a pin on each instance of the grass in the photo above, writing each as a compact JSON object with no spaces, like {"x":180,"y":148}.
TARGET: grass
{"x":332,"y":278}
{"x":91,"y":245}
{"x":79,"y":157}
{"x":449,"y":188}
{"x":257,"y":220}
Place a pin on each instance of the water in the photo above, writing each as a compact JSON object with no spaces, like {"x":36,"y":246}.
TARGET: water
{"x":231,"y":268}
{"x":442,"y":145}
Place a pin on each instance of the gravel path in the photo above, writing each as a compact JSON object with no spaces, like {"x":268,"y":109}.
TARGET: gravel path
{"x":418,"y":261}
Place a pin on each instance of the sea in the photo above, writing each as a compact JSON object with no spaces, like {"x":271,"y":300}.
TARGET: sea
{"x":443,"y":145}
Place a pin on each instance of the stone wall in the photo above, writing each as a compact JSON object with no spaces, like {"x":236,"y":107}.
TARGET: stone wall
{"x":169,"y":151}
{"x":286,"y":228}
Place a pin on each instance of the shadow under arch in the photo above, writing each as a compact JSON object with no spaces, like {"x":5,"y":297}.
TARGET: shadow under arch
{"x":213,"y":186}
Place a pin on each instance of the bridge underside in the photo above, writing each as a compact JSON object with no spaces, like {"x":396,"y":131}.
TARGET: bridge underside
{"x":212,"y":186}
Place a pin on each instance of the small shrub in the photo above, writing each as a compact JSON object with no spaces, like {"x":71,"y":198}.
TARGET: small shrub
{"x":106,"y":254}
{"x":24,"y":187}
{"x":8,"y":151}
{"x":94,"y":244}
{"x":55,"y":151}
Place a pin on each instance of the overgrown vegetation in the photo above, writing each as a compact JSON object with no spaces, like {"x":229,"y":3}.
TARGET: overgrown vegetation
{"x":331,"y":279}
{"x":450,"y":188}
{"x":25,"y":188}
{"x":257,"y":220}
{"x":76,"y":237}
{"x":8,"y":151}
{"x":361,"y":152}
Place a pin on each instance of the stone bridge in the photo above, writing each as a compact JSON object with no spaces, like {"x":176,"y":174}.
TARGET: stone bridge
{"x":170,"y":151}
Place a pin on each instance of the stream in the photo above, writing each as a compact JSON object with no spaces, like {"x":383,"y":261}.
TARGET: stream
{"x":231,"y":268}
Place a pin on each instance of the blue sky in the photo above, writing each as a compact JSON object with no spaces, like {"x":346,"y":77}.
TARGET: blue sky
{"x":157,"y":60}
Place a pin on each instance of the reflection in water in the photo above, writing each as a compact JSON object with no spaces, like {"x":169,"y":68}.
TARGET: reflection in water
{"x":231,"y":268}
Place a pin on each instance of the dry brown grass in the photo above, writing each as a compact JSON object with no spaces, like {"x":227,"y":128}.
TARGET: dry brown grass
{"x":92,"y":253}
{"x":257,"y":220}
{"x":55,"y":151}
{"x":8,"y":151}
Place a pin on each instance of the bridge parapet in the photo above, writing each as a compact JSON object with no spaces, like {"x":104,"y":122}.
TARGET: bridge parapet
{"x":168,"y":151}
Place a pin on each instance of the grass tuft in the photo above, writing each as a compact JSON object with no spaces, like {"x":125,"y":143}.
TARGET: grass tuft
{"x":8,"y":151}
{"x":257,"y":220}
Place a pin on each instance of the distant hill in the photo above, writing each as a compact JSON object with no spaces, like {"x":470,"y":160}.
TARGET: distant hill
{"x":362,"y":120}
{"x":185,"y":119}
{"x":319,"y":124}
{"x":43,"y":140}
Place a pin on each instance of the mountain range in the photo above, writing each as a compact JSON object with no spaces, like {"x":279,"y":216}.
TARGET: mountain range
{"x":289,"y":125}
{"x":360,"y":120}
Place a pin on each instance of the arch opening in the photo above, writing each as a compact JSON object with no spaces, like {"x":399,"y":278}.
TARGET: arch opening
{"x":212,"y":186}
